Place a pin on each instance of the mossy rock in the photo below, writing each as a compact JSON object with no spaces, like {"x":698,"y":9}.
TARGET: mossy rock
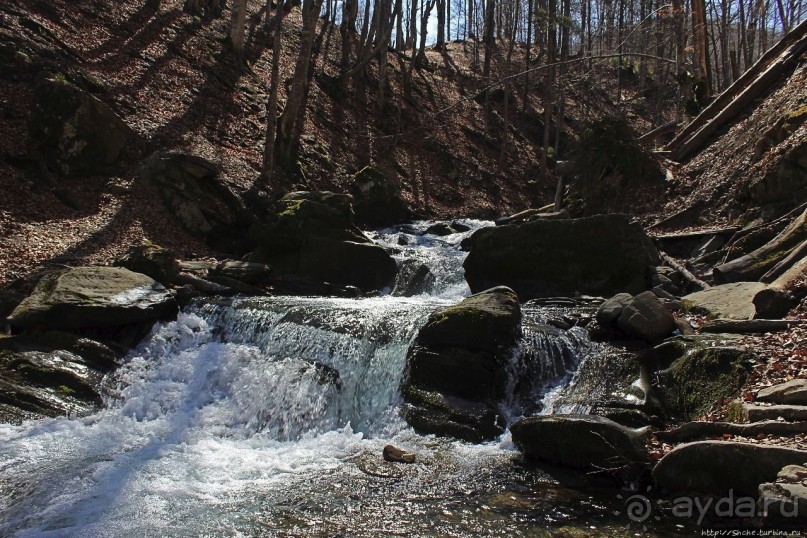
{"x":312,"y":235}
{"x":484,"y":321}
{"x":701,"y":377}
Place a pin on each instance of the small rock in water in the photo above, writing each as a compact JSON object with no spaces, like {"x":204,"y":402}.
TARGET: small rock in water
{"x":392,"y":453}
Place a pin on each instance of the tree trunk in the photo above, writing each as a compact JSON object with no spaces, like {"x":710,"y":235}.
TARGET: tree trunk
{"x":271,"y":106}
{"x":289,"y":117}
{"x":237,"y":17}
{"x":441,"y":25}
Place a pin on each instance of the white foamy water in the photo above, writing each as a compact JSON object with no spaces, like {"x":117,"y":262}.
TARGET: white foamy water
{"x":260,"y":416}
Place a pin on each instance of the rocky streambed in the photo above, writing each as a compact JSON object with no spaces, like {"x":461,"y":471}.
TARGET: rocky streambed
{"x":256,"y":396}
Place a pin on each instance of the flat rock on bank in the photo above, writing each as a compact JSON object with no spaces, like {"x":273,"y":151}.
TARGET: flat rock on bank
{"x":90,"y":297}
{"x":599,"y":255}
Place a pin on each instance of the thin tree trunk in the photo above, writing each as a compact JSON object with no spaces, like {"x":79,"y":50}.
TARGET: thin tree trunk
{"x":238,"y":16}
{"x":271,"y":104}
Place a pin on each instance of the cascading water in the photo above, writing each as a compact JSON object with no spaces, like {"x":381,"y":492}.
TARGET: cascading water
{"x":266,"y":416}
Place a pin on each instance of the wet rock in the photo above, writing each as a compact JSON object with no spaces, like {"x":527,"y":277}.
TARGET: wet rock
{"x":72,"y":131}
{"x":729,"y":301}
{"x":376,"y":199}
{"x":51,"y":374}
{"x":414,"y":278}
{"x":312,"y":235}
{"x":159,"y":263}
{"x":793,"y":392}
{"x":392,"y":453}
{"x":645,"y":317}
{"x":432,"y":412}
{"x":715,"y":467}
{"x":91,"y":297}
{"x":456,"y":366}
{"x":580,"y":441}
{"x":237,"y":286}
{"x":441,"y":229}
{"x":600,"y":255}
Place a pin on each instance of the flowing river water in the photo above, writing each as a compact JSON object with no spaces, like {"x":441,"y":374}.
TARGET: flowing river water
{"x":267,"y":417}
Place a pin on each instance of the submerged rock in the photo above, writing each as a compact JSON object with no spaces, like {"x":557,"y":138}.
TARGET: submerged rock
{"x":312,"y":235}
{"x":413,"y":278}
{"x":456,"y":366}
{"x":91,"y":297}
{"x":715,"y":467}
{"x":600,"y":255}
{"x":393,"y":453}
{"x":580,"y":441}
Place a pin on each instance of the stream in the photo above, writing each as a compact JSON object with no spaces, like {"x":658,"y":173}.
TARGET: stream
{"x":267,"y":416}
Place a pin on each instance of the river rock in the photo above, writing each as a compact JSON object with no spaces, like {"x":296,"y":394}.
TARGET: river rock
{"x":579,"y":441}
{"x":312,"y":235}
{"x":793,"y":392}
{"x":729,"y":301}
{"x":456,"y":366}
{"x":51,"y":374}
{"x":91,"y":297}
{"x":599,"y":255}
{"x":414,"y":278}
{"x":610,"y":310}
{"x":376,"y":200}
{"x":645,"y":317}
{"x":393,"y":453}
{"x":715,"y":467}
{"x":159,"y":263}
{"x":73,"y":131}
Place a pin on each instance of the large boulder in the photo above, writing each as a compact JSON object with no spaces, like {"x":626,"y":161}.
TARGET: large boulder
{"x":72,"y":131}
{"x":93,"y":297}
{"x":716,"y":467}
{"x":312,"y":235}
{"x":193,"y":191}
{"x":456,"y":366}
{"x":600,"y":255}
{"x":376,"y":200}
{"x":579,"y":441}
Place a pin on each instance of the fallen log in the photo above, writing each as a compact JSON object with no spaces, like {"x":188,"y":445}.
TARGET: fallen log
{"x":699,"y":430}
{"x":750,"y":326}
{"x":692,"y":279}
{"x":744,"y":90}
{"x":783,"y":266}
{"x":754,"y":265}
{"x":658,"y":131}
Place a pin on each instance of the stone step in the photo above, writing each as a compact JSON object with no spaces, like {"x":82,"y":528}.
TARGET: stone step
{"x":792,"y":413}
{"x":793,"y":392}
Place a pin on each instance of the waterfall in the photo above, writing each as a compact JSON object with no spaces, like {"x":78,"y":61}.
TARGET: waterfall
{"x":231,"y":410}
